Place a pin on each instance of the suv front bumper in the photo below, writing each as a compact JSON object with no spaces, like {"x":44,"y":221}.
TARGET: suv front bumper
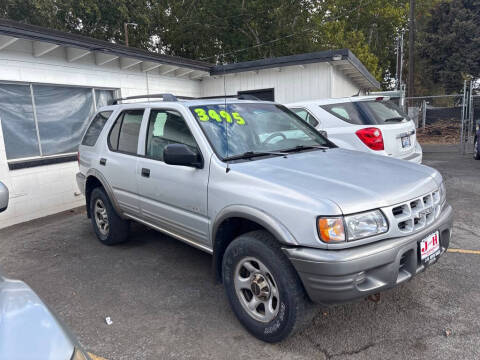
{"x":338,"y":276}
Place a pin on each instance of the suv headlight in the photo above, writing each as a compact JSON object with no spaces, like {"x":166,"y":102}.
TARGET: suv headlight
{"x":366,"y":224}
{"x":352,"y":227}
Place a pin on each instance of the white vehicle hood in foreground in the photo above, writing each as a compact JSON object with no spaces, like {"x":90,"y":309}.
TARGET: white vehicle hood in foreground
{"x":28,"y":330}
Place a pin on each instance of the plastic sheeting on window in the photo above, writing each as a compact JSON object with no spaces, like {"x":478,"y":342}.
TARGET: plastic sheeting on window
{"x":18,"y":122}
{"x":63,"y":115}
{"x":102,"y":97}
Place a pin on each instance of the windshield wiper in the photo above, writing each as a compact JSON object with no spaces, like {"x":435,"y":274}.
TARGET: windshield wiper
{"x":394,"y":119}
{"x":252,"y":154}
{"x":305,"y":147}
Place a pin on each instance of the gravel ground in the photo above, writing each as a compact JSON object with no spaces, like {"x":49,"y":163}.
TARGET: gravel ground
{"x":164,"y":305}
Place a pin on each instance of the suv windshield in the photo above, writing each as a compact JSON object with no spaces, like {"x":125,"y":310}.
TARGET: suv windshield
{"x":254,"y":128}
{"x":370,"y":112}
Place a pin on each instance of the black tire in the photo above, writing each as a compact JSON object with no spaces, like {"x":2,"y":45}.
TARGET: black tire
{"x":118,"y":228}
{"x":295,"y":309}
{"x":476,"y":152}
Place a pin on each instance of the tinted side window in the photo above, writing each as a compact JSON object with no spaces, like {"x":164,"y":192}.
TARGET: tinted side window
{"x":95,"y":128}
{"x":367,"y":112}
{"x":166,"y":127}
{"x":347,"y":112}
{"x":113,"y":137}
{"x":124,"y":134}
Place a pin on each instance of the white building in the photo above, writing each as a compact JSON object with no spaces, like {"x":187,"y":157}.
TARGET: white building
{"x":52,"y":82}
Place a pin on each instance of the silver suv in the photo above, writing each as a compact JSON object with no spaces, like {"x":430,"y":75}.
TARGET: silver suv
{"x":288,"y":217}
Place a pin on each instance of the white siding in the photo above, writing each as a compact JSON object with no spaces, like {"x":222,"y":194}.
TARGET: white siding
{"x":45,"y":190}
{"x":342,"y":86}
{"x":292,"y":83}
{"x":18,"y":64}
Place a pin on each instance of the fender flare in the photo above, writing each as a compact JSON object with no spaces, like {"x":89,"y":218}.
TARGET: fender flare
{"x":99,"y":176}
{"x":275,"y":227}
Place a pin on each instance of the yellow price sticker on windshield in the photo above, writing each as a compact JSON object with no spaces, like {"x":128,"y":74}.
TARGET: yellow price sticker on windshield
{"x":222,"y":115}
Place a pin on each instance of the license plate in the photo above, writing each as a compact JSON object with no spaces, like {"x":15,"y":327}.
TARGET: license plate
{"x":406,"y":141}
{"x":430,"y":247}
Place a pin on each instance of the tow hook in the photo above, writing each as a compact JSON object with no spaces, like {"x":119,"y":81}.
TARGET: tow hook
{"x":374,"y":298}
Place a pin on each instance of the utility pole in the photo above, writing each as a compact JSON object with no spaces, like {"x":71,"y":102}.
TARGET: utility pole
{"x":411,"y":50}
{"x":399,"y":72}
{"x":125,"y":28}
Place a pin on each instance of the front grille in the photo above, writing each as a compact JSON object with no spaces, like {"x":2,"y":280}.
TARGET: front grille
{"x":415,"y":214}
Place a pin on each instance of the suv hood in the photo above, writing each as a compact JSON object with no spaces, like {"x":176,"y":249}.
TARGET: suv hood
{"x":354,"y":180}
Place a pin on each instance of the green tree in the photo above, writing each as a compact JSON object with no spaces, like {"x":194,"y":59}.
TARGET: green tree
{"x":451,"y":43}
{"x":237,"y":30}
{"x":368,"y":27}
{"x":231,"y":31}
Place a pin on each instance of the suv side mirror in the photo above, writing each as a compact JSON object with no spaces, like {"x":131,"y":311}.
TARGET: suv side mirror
{"x":181,"y":154}
{"x":3,"y":197}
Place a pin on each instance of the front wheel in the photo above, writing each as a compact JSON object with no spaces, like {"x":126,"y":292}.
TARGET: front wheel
{"x":263,"y":288}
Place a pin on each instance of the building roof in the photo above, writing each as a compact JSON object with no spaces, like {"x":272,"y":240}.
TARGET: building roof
{"x":46,"y":40}
{"x":343,"y":58}
{"x":20,"y":30}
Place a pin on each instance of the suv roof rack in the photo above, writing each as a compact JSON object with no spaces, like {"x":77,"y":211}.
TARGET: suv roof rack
{"x":165,"y":97}
{"x":171,"y":97}
{"x":239,"y":97}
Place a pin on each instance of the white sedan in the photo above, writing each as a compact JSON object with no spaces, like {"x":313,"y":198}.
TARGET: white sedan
{"x":364,"y":123}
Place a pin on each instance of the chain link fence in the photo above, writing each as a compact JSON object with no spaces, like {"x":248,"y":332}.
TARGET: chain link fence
{"x":446,"y":119}
{"x":438,"y":118}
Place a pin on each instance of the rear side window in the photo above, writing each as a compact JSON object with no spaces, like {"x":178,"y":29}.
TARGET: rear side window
{"x":367,"y":112}
{"x":124,"y":134}
{"x":95,"y":128}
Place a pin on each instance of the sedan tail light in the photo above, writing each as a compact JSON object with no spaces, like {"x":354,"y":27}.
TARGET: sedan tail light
{"x":372,"y":137}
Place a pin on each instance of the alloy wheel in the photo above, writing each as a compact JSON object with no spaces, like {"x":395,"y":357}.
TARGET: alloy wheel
{"x":101,"y":217}
{"x":257,"y":289}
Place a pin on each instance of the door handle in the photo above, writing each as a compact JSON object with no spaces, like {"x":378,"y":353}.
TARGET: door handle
{"x":103,"y":161}
{"x":145,"y":172}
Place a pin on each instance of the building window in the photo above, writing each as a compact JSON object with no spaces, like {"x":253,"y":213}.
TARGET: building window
{"x":18,"y":122}
{"x":44,"y":120}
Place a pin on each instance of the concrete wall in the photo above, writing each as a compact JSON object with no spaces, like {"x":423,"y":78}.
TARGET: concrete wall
{"x":41,"y":191}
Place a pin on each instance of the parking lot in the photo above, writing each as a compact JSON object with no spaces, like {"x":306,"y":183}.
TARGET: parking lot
{"x":163,"y":303}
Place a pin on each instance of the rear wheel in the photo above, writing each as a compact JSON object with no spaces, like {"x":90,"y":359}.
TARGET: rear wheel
{"x":263,"y":288}
{"x":109,"y":227}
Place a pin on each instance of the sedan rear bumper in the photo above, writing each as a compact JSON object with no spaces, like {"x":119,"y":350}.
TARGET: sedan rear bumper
{"x":338,"y":276}
{"x":416,"y":156}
